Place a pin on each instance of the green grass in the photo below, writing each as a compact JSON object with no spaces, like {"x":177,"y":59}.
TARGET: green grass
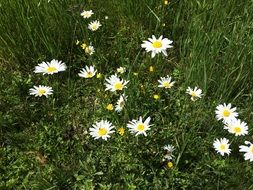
{"x":44,"y":142}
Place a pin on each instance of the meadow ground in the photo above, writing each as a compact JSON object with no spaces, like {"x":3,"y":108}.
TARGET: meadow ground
{"x":47,"y":143}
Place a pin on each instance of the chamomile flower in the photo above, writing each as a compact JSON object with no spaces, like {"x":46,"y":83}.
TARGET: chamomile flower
{"x":248,"y":151}
{"x":165,"y":82}
{"x":169,"y":152}
{"x":121,"y":70}
{"x":89,"y":50}
{"x":114,"y":83}
{"x":88,"y":72}
{"x":94,"y":25}
{"x":121,"y":103}
{"x":52,"y":67}
{"x":235,"y":126}
{"x":157,"y":45}
{"x":139,"y":127}
{"x":222,"y":146}
{"x":225,"y":112}
{"x":102,"y":129}
{"x":41,"y":91}
{"x":195,"y":93}
{"x":87,"y":14}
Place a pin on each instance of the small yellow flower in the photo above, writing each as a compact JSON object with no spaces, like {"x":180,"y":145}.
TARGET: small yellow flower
{"x":156,"y":96}
{"x":163,"y":24}
{"x":99,"y":75}
{"x":121,"y":131}
{"x":135,"y":74}
{"x":169,"y":164}
{"x":166,"y":2}
{"x":77,"y":42}
{"x":151,"y":69}
{"x":83,"y":46}
{"x":109,"y":107}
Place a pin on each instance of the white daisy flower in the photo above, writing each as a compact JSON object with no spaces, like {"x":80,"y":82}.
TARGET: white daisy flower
{"x":195,"y":93}
{"x":87,"y":14}
{"x":89,"y":50}
{"x":235,"y":126}
{"x":94,"y":25}
{"x":114,"y":83}
{"x":222,"y":146}
{"x":139,"y":127}
{"x":169,"y":152}
{"x":41,"y":91}
{"x":157,"y":45}
{"x":52,"y":67}
{"x":225,"y":112}
{"x":101,"y":129}
{"x":88,"y":72}
{"x":248,"y":151}
{"x":121,"y":103}
{"x":121,"y":70}
{"x":165,"y":82}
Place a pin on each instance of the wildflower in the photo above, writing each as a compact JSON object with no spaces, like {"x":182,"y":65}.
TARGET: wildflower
{"x":135,"y":74}
{"x":139,"y":127}
{"x":52,"y":67}
{"x":248,"y":151}
{"x":101,"y":129}
{"x":87,"y":14}
{"x":94,"y":25}
{"x":114,"y":83}
{"x":77,"y":42}
{"x":166,"y":2}
{"x":169,"y":152}
{"x":151,"y":69}
{"x":156,"y":96}
{"x":89,"y":50}
{"x":222,"y":146}
{"x":121,"y":103}
{"x":195,"y":93}
{"x":106,"y":17}
{"x":83,"y":46}
{"x":121,"y":131}
{"x":165,"y":82}
{"x":99,"y":75}
{"x":41,"y":91}
{"x":121,"y":70}
{"x":225,"y":112}
{"x":235,"y":126}
{"x":109,"y":107}
{"x":88,"y":72}
{"x":169,"y":164}
{"x":157,"y":45}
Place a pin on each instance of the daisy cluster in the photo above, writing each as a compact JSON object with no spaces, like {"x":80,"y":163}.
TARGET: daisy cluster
{"x":228,"y":115}
{"x":46,"y":68}
{"x":92,"y":26}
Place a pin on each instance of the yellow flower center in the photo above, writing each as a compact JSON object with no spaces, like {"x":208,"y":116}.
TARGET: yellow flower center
{"x":51,"y":69}
{"x":157,"y":44}
{"x":102,"y":131}
{"x":42,"y":91}
{"x":226,"y":113}
{"x":89,"y":74}
{"x":166,"y":84}
{"x":140,"y":127}
{"x":193,"y":94}
{"x":118,"y":86}
{"x":251,"y":149}
{"x":156,"y":96}
{"x":237,"y":129}
{"x":222,"y":147}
